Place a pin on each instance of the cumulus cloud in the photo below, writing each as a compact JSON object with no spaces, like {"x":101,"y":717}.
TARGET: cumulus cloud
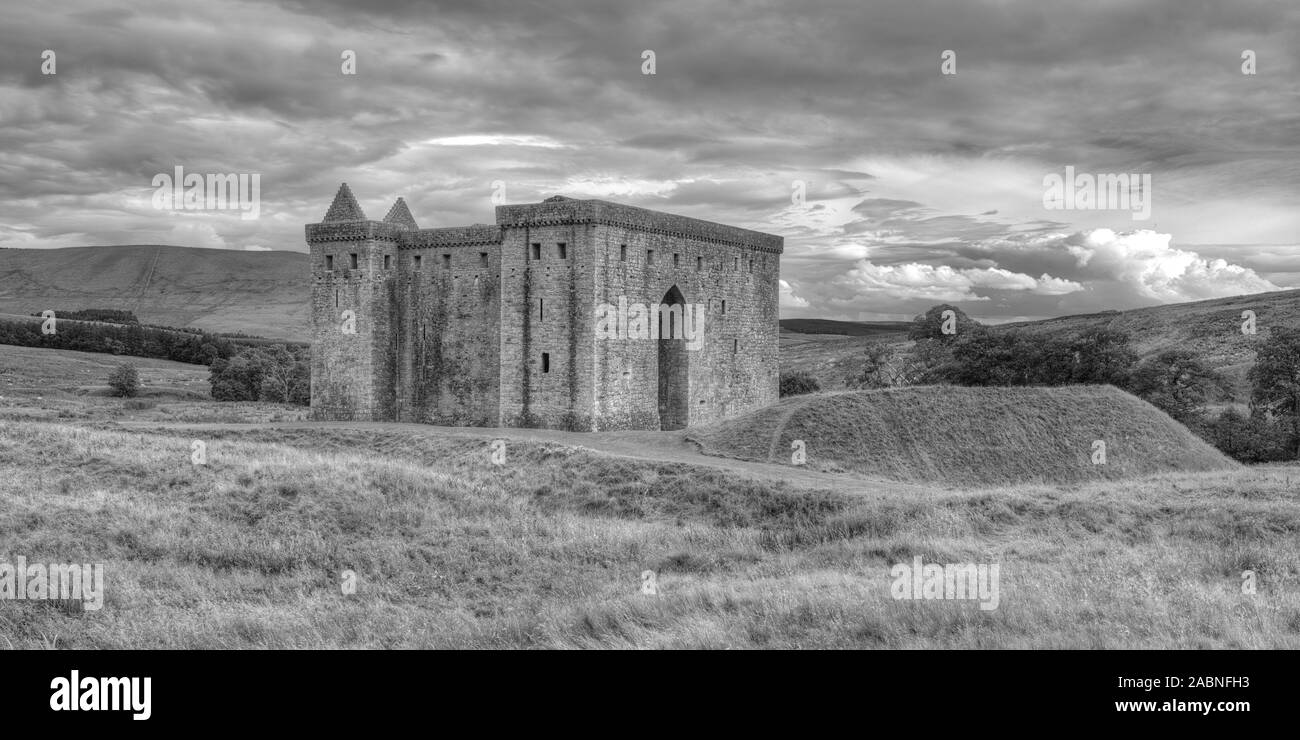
{"x":1146,"y":262}
{"x":917,"y":189}
{"x":789,"y":299}
{"x":944,"y":283}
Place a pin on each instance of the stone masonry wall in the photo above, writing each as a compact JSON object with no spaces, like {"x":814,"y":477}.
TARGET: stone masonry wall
{"x":495,"y":324}
{"x":449,"y":337}
{"x":734,"y":368}
{"x":546,"y":353}
{"x":352,"y":373}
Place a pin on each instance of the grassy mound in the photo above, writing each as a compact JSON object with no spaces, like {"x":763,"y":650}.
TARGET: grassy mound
{"x":968,"y":436}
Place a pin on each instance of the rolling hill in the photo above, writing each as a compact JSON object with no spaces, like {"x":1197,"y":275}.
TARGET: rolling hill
{"x":968,"y":436}
{"x":259,"y":293}
{"x":1210,"y":329}
{"x":267,"y":294}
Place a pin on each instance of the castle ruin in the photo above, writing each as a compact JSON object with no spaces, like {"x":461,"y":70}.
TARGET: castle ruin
{"x":570,"y":314}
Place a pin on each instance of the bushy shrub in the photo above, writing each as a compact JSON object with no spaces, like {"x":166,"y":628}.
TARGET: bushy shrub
{"x":798,"y":382}
{"x":931,"y":324}
{"x":274,"y":374}
{"x":124,"y":382}
{"x":879,"y":366}
{"x":1250,"y":439}
{"x":1178,"y":383}
{"x":982,"y":358}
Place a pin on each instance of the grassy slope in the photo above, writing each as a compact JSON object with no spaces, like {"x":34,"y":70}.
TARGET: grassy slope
{"x":968,"y":436}
{"x":546,"y":551}
{"x":1210,"y":329}
{"x":879,"y":329}
{"x":260,"y":293}
{"x":828,"y":357}
{"x":37,"y":371}
{"x":40,"y":383}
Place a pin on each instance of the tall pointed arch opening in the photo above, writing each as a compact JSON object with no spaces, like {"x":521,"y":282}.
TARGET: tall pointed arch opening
{"x":674,"y":362}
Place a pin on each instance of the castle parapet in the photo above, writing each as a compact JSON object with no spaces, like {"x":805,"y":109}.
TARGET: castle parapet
{"x":560,"y":211}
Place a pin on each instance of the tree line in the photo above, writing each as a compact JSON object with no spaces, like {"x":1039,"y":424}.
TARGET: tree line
{"x":136,"y":340}
{"x":951,"y":348}
{"x":241,"y":367}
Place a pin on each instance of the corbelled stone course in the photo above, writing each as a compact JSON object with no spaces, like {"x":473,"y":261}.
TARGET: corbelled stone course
{"x":496,"y":325}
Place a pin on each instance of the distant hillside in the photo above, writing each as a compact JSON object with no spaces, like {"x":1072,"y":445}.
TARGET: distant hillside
{"x":1210,"y":329}
{"x":846,"y":328}
{"x":968,"y":436}
{"x":825,"y":348}
{"x":259,"y":293}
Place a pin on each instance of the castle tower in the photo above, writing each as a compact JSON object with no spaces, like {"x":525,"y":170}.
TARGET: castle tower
{"x":564,"y":314}
{"x":353,"y":264}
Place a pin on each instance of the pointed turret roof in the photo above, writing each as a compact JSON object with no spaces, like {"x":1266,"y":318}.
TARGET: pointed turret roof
{"x":401,"y":215}
{"x":345,"y":207}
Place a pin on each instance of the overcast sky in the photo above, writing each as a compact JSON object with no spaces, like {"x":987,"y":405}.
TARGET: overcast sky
{"x":921,"y":187}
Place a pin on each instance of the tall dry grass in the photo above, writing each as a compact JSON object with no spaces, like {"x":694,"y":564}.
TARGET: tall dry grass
{"x":547,"y":550}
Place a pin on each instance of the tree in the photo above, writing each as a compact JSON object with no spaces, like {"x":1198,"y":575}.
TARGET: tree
{"x":1102,"y":356}
{"x":274,"y":373}
{"x":1249,"y":439}
{"x":124,"y":382}
{"x":237,"y":379}
{"x":1275,"y":379}
{"x":285,"y":378}
{"x":926,"y":362}
{"x":1178,"y":383}
{"x":930,"y":325}
{"x":879,"y":366}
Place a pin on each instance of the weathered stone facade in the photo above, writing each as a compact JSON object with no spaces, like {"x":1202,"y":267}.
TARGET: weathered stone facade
{"x":522,"y":323}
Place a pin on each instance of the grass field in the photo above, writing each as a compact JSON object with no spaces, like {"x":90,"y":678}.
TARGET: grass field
{"x":39,"y":383}
{"x":548,"y":550}
{"x":253,"y":548}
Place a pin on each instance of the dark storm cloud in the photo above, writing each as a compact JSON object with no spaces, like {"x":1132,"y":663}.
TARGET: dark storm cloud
{"x":750,"y":100}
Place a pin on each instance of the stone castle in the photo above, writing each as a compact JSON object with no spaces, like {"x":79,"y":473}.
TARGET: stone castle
{"x":569,"y":314}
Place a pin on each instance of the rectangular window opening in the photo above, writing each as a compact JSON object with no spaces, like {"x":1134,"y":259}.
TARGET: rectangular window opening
{"x":724,"y":306}
{"x":417,"y":261}
{"x":622,"y":253}
{"x":482,"y":259}
{"x":649,"y":256}
{"x":546,"y":362}
{"x":353,"y":260}
{"x":541,"y":309}
{"x":388,"y":262}
{"x":446,"y":261}
{"x":329,"y":262}
{"x":677,"y":259}
{"x":562,"y":250}
{"x":537,"y":250}
{"x":699,"y":264}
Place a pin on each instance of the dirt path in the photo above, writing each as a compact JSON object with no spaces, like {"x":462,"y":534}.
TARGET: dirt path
{"x":669,"y":447}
